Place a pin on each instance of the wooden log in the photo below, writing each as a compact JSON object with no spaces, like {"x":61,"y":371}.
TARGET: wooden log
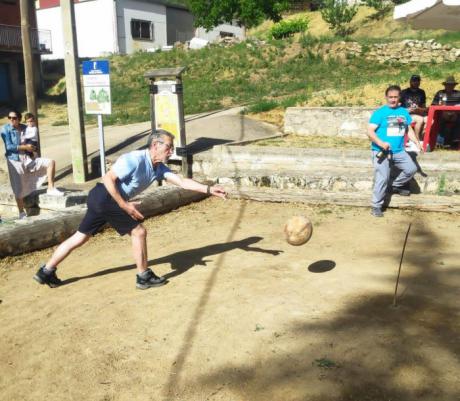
{"x":52,"y":228}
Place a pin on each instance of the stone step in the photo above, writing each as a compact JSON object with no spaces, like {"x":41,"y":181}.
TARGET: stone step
{"x":258,"y":157}
{"x":340,"y":181}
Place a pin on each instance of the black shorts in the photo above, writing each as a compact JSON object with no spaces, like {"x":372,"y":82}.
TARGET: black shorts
{"x":103,"y":209}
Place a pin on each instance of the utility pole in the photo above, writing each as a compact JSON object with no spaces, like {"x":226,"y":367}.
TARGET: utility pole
{"x":29,"y":70}
{"x":74,"y":98}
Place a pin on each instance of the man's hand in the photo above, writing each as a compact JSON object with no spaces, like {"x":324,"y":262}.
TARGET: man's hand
{"x":131,"y":209}
{"x":384,"y":145}
{"x":218,"y":191}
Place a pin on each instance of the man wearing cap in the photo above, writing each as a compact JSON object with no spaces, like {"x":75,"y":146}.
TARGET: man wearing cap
{"x":449,"y":133}
{"x":414,"y":100}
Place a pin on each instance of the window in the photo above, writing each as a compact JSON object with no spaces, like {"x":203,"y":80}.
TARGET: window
{"x":141,"y":29}
{"x":223,"y":34}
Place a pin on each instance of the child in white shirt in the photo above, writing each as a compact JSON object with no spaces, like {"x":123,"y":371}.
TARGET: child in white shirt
{"x":30,"y":137}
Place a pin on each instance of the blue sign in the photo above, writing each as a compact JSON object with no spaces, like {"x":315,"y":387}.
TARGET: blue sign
{"x":96,"y":85}
{"x":96,"y":67}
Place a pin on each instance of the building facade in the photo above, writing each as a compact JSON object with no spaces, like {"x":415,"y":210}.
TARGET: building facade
{"x":12,"y":80}
{"x":123,"y":26}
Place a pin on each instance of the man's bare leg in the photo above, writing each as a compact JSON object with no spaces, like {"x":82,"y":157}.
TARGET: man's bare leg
{"x":139,"y":242}
{"x":63,"y":250}
{"x":47,"y":273}
{"x":145,"y":278}
{"x":20,"y":204}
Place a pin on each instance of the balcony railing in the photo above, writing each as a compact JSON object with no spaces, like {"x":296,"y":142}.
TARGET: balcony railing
{"x":11,"y":39}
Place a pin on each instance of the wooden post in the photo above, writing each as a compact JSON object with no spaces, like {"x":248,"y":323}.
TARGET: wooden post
{"x":74,"y":98}
{"x":29,"y":67}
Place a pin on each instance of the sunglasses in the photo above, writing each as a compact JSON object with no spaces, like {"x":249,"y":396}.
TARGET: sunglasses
{"x":12,"y":118}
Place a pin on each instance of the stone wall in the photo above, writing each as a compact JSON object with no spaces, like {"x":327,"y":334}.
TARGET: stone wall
{"x":405,"y":52}
{"x":330,"y":121}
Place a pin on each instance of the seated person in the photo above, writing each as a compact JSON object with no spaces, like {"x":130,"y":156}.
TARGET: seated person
{"x":449,"y":133}
{"x":25,"y":176}
{"x":414,"y":100}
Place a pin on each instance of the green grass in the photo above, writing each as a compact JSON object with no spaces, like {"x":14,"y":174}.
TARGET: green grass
{"x":279,"y":74}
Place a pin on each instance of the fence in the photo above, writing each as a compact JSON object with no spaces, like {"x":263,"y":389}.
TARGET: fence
{"x":11,"y":39}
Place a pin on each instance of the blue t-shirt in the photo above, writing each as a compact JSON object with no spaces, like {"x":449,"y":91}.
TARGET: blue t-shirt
{"x":135,"y":172}
{"x":391,"y":126}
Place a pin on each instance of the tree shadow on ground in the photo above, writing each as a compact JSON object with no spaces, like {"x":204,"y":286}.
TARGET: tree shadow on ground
{"x":185,"y":260}
{"x":367,"y":351}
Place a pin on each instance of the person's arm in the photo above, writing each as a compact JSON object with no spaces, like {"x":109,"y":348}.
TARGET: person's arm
{"x":10,"y":147}
{"x":435,"y":99}
{"x":191,"y":185}
{"x":373,"y":137}
{"x":109,"y":180}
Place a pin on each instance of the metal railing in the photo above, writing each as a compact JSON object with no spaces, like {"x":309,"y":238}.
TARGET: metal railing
{"x":11,"y":39}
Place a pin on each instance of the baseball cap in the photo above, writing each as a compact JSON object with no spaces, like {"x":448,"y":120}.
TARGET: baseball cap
{"x":415,"y":77}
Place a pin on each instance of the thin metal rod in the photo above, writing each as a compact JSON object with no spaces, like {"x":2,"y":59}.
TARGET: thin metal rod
{"x":400,"y":264}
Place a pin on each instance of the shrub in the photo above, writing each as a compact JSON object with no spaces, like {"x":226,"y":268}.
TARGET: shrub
{"x":382,"y":7}
{"x":338,"y":15}
{"x":284,"y":29}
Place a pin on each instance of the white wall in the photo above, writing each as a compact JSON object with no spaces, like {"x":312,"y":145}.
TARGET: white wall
{"x":215,"y":32}
{"x":132,"y":9}
{"x":95,"y":21}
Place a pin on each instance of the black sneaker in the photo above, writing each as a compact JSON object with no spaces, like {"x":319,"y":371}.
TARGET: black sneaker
{"x":152,"y":280}
{"x":376,"y":212}
{"x":51,"y":279}
{"x":400,"y":191}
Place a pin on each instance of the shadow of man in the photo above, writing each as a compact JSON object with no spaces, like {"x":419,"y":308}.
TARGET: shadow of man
{"x":185,"y":260}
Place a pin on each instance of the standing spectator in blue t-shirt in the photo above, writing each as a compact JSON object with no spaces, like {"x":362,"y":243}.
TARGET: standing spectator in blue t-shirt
{"x":387,"y":128}
{"x":108,"y":202}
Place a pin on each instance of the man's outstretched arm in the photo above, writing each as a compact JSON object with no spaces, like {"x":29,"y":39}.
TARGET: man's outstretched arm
{"x":192,"y":185}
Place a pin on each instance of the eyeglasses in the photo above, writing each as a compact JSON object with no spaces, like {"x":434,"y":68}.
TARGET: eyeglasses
{"x":168,"y":146}
{"x":12,"y":118}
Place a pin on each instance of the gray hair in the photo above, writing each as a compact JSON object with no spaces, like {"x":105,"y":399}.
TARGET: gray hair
{"x":157,"y":135}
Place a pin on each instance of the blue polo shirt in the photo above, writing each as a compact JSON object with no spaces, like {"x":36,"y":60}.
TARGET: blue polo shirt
{"x":391,"y":126}
{"x":135,"y":172}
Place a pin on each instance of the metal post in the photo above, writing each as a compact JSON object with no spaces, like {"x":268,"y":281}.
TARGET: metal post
{"x":101,"y":143}
{"x":74,"y":99}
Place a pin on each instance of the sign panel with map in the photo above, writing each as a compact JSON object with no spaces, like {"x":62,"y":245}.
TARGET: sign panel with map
{"x":96,"y":84}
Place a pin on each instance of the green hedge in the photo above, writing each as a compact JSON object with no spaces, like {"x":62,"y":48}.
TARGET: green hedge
{"x":284,"y":29}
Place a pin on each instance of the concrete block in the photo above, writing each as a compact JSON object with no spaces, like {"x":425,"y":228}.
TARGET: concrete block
{"x":70,"y":198}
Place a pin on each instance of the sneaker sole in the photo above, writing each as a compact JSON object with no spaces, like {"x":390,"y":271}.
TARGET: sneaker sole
{"x":147,"y":286}
{"x":40,"y":281}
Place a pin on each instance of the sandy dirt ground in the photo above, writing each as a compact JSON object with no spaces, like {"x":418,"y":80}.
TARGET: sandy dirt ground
{"x":245,"y":316}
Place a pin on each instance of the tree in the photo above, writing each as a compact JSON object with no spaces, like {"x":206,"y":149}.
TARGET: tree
{"x":210,"y":13}
{"x":382,"y":7}
{"x":338,"y":15}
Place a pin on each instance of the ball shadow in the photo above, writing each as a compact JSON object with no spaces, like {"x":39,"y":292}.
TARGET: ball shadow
{"x":321,"y":266}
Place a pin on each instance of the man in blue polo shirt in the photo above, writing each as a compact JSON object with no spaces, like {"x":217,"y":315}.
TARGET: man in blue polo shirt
{"x":108,"y":202}
{"x":387,"y":128}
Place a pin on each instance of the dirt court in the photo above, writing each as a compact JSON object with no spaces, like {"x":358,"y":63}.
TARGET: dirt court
{"x":245,"y":316}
